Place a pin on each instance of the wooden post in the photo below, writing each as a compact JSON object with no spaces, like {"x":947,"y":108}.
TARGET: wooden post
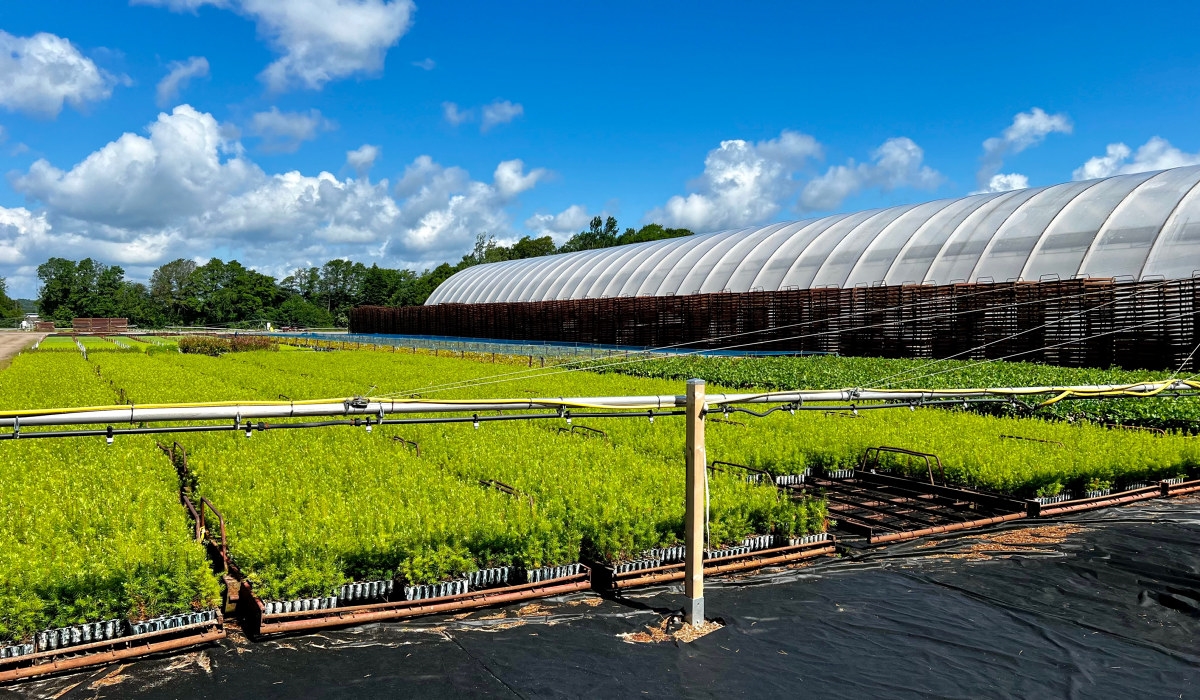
{"x":697,"y":461}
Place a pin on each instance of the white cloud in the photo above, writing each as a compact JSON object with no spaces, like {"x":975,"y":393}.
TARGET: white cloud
{"x":425,"y":64}
{"x":511,"y":179}
{"x":137,"y":182}
{"x":746,"y":183}
{"x":187,"y":190}
{"x":1155,"y":154}
{"x":363,"y":158}
{"x":1102,"y":166}
{"x":320,"y":40}
{"x":742,"y":183}
{"x":182,"y":5}
{"x":562,"y":225}
{"x":500,"y":112}
{"x":1004,"y":182}
{"x":1027,"y":129}
{"x":324,"y":40}
{"x":444,"y":209}
{"x":494,"y":114}
{"x":897,"y":163}
{"x":178,"y":77}
{"x":455,"y":116}
{"x":291,"y":208}
{"x":283,"y":132}
{"x":19,"y":231}
{"x":40,"y":73}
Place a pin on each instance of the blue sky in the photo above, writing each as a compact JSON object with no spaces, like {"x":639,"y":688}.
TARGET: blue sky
{"x":699,"y":114}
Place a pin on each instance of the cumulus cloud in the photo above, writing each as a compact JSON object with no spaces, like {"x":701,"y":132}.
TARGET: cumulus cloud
{"x":185,"y":189}
{"x":363,"y":158}
{"x":1004,"y":182}
{"x":897,"y":163}
{"x":500,"y":112}
{"x":511,"y":179}
{"x":562,"y":225}
{"x":180,"y":73}
{"x":425,"y":64}
{"x":1027,"y":129}
{"x":746,"y":183}
{"x":183,"y":5}
{"x":41,"y":73}
{"x":455,"y":116}
{"x":320,"y":40}
{"x":283,"y":132}
{"x":20,"y":230}
{"x":1155,"y":154}
{"x":494,"y":114}
{"x":184,"y":167}
{"x":742,"y":183}
{"x":444,"y":209}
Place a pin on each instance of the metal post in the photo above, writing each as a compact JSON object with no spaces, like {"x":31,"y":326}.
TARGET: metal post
{"x":694,"y":513}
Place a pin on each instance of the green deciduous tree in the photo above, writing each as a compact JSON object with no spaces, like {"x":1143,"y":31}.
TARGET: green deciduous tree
{"x":183,"y":292}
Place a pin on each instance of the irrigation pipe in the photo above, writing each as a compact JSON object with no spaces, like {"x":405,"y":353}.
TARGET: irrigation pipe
{"x":251,"y":427}
{"x":362,"y":407}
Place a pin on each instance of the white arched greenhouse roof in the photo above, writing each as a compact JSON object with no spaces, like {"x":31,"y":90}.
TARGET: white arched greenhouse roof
{"x":1141,"y":225}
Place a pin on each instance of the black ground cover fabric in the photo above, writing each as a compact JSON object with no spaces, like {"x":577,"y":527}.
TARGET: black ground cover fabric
{"x":1110,"y":611}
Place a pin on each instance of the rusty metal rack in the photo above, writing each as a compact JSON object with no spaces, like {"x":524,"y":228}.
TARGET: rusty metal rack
{"x":257,"y":622}
{"x":884,"y":508}
{"x":872,"y":459}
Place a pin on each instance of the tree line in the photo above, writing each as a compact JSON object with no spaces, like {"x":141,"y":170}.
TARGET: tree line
{"x":220,"y":293}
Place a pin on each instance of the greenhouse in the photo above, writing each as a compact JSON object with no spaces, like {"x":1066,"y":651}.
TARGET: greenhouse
{"x":1139,"y":226}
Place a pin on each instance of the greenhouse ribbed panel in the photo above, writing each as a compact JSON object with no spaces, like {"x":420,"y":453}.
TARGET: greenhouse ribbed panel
{"x":1143,"y":225}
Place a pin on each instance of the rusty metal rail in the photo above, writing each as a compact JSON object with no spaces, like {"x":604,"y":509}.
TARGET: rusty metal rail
{"x":1164,"y":489}
{"x":256,"y":622}
{"x":82,"y":656}
{"x":605,"y":577}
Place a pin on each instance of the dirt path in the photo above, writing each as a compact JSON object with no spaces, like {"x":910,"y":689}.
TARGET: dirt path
{"x":13,"y":342}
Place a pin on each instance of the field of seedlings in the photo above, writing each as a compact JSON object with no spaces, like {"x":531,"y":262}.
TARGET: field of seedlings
{"x":100,"y":530}
{"x":830,"y":372}
{"x":90,"y":531}
{"x":310,"y":511}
